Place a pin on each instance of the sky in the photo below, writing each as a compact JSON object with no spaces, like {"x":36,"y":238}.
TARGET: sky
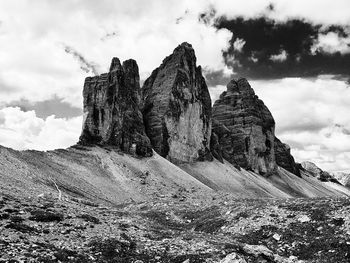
{"x":295,"y":54}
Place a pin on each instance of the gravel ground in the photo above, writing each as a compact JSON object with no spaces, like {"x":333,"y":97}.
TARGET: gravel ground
{"x":177,"y":229}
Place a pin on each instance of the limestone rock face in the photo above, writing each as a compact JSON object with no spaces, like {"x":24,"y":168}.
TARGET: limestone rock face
{"x":284,"y":157}
{"x":111,"y":110}
{"x":245,"y":128}
{"x":177,"y":108}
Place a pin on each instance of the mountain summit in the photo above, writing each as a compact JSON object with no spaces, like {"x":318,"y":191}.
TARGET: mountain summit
{"x":245,"y":128}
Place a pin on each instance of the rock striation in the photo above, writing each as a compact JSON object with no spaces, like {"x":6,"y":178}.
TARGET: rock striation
{"x":111,"y":110}
{"x":284,"y":157}
{"x":244,"y":128}
{"x":177,"y":108}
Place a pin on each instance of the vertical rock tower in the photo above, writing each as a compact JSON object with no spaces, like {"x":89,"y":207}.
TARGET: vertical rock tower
{"x":177,"y":108}
{"x":111,"y":110}
{"x":244,"y":128}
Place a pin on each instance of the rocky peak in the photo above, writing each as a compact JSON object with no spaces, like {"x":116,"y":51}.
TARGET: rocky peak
{"x":317,"y":172}
{"x":111,"y":110}
{"x":244,"y":128}
{"x":115,"y":64}
{"x":177,"y":108}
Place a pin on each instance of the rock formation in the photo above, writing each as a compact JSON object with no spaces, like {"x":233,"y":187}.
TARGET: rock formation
{"x":177,"y":108}
{"x":111,"y":110}
{"x":174,"y":116}
{"x":244,"y":128}
{"x":317,"y":172}
{"x":284,"y":157}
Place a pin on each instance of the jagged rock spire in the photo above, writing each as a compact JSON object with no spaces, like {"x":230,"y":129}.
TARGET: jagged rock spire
{"x":111,"y":110}
{"x":244,"y":128}
{"x":177,"y":108}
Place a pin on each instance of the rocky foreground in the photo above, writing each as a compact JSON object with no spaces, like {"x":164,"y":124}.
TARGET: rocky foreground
{"x":179,"y":229}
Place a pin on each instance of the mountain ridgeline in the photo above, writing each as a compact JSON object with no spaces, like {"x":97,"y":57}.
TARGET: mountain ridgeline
{"x":173,"y":114}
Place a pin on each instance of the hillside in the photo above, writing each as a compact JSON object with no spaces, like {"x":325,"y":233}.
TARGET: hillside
{"x":106,"y":175}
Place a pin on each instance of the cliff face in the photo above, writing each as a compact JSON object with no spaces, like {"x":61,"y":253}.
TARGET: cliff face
{"x":284,"y":157}
{"x":177,"y":108}
{"x":111,"y":110}
{"x":245,"y":128}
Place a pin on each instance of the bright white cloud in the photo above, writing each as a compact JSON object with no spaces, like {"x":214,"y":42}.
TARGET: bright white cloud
{"x":24,"y":130}
{"x":331,"y":43}
{"x":239,"y":44}
{"x":279,"y":57}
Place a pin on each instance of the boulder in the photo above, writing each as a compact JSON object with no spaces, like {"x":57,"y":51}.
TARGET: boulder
{"x":112,"y":114}
{"x":177,"y":108}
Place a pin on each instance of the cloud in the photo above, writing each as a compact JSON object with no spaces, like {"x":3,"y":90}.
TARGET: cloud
{"x":85,"y":65}
{"x":317,"y":11}
{"x":265,"y":48}
{"x":37,"y":66}
{"x":109,"y":35}
{"x":54,"y":106}
{"x":279,"y":57}
{"x":238,"y":44}
{"x":332,"y":42}
{"x":217,"y":77}
{"x":24,"y":130}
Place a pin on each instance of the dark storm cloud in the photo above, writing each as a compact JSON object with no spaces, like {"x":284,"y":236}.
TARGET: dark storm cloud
{"x":279,"y":49}
{"x":85,"y":65}
{"x":55,"y":106}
